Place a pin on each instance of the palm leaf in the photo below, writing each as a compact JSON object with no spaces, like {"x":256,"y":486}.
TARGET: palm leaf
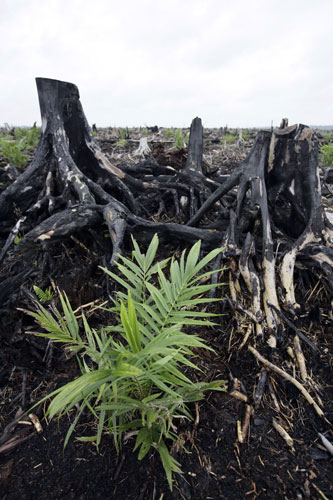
{"x":170,"y":464}
{"x":73,"y":392}
{"x":71,"y":321}
{"x":130,"y":323}
{"x":151,"y":252}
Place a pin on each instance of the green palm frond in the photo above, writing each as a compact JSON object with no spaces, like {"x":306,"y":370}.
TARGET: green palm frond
{"x":173,"y":297}
{"x":133,"y":372}
{"x":60,"y":328}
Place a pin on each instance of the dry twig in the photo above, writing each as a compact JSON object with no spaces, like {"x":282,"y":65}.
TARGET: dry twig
{"x":284,"y":434}
{"x":300,"y":358}
{"x":246,"y":423}
{"x":328,"y":445}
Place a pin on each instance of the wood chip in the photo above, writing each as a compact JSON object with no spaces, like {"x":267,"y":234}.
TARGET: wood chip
{"x":36,"y":422}
{"x":238,"y":395}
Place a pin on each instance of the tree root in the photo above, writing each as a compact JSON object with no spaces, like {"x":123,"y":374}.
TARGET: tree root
{"x":291,"y":379}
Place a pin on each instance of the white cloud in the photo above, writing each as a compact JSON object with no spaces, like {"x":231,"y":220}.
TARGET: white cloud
{"x":157,"y":62}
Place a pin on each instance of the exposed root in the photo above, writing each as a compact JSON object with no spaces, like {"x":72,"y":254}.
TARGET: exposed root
{"x":291,"y":379}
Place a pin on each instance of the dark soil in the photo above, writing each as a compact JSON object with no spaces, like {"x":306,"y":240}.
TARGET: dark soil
{"x":215,"y":464}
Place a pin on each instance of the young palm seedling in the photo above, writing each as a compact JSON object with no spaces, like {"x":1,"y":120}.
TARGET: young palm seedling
{"x":133,"y":379}
{"x":180,"y":140}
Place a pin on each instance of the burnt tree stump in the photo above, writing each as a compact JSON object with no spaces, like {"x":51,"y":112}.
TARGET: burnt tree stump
{"x":267,"y":214}
{"x":71,"y":186}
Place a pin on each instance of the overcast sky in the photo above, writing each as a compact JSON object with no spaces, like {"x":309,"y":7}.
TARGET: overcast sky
{"x":147,"y":62}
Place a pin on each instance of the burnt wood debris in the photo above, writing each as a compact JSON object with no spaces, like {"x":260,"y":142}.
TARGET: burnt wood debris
{"x":267,"y":215}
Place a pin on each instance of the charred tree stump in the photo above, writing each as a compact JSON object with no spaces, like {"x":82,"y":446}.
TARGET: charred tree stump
{"x":195,"y":147}
{"x":192,"y":175}
{"x":71,"y":187}
{"x":276,"y":218}
{"x":267,"y":214}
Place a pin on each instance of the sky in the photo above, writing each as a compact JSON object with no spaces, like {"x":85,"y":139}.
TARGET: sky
{"x":151,"y":62}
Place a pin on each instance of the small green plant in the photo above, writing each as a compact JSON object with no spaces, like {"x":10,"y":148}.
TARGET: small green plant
{"x":17,"y":239}
{"x":13,"y":152}
{"x":326,"y":155}
{"x":168,"y":133}
{"x":121,"y":143}
{"x":180,"y":139}
{"x":328,"y":136}
{"x":15,"y":148}
{"x":229,"y":139}
{"x":44,"y":295}
{"x":133,"y":378}
{"x":28,"y":136}
{"x":122,"y":133}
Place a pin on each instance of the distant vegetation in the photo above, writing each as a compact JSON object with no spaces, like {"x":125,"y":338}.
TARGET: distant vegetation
{"x":326,"y":150}
{"x":122,"y":137}
{"x":180,"y":139}
{"x":16,"y":145}
{"x":326,"y":155}
{"x":228,"y":139}
{"x":177,"y":136}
